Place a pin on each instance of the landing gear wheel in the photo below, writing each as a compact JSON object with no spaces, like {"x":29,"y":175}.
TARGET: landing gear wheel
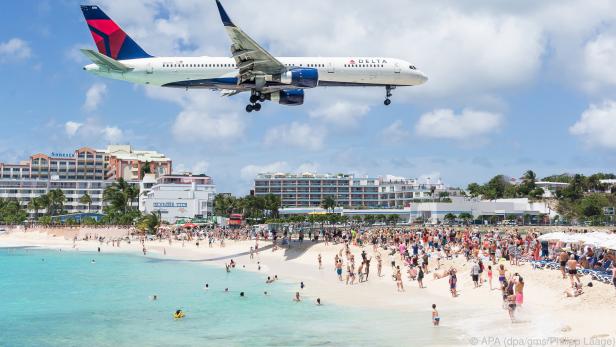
{"x":262,"y":98}
{"x":388,"y":95}
{"x":254,"y":98}
{"x":257,"y":107}
{"x":249,"y":108}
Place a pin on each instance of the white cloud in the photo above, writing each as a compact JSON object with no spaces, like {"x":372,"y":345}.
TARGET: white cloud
{"x":199,"y":167}
{"x":249,"y":172}
{"x":94,"y":96}
{"x":91,"y":130}
{"x":445,"y":124}
{"x":71,"y":128}
{"x":395,"y":133}
{"x":15,"y":49}
{"x":296,"y":134}
{"x":112,"y":135}
{"x":597,"y":126}
{"x":341,"y":113}
{"x":205,"y":116}
{"x":599,"y":58}
{"x":197,"y":125}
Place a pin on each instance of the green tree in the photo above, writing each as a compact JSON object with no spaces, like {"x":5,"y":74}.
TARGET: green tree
{"x":12,"y":212}
{"x":450,"y":217}
{"x":466,"y":217}
{"x":35,"y":205}
{"x":149,"y":223}
{"x":393,"y":219}
{"x":56,"y":201}
{"x":272,"y":203}
{"x":474,"y":190}
{"x":328,"y":203}
{"x":592,"y":205}
{"x":45,"y":203}
{"x":86,"y":199}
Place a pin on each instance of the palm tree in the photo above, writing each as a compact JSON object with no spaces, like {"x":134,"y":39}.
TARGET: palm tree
{"x":328,"y":203}
{"x":35,"y":205}
{"x":86,"y":199}
{"x":150,"y":222}
{"x":56,"y":201}
{"x":45,"y":203}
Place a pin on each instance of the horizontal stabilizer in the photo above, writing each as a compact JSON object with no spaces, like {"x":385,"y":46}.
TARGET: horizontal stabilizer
{"x":105,"y":62}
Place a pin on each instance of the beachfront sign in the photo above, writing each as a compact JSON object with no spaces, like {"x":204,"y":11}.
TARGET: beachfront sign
{"x":62,"y":155}
{"x":171,"y":204}
{"x":608,"y":211}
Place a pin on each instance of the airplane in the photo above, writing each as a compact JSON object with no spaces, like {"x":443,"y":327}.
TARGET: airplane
{"x":249,"y":69}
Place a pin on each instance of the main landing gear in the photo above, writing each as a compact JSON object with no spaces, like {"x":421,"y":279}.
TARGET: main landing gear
{"x":255,"y":100}
{"x":388,"y":94}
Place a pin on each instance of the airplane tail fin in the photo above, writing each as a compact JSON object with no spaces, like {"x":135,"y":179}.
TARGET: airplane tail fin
{"x":110,"y":39}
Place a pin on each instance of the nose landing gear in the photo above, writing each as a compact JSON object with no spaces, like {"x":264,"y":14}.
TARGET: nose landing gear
{"x":255,"y":98}
{"x":388,"y":94}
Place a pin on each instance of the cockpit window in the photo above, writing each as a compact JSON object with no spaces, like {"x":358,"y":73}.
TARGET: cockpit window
{"x":412,"y":67}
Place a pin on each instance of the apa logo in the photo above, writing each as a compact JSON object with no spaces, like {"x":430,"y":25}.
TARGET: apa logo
{"x":352,"y":62}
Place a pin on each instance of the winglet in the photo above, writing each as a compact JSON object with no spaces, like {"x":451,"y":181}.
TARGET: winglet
{"x":224,"y":16}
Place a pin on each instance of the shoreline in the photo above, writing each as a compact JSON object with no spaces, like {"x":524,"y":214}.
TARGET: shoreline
{"x":475,"y":313}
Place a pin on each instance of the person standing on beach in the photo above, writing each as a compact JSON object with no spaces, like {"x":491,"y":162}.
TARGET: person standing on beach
{"x":563,"y":257}
{"x":436,"y":320}
{"x":367,"y":261}
{"x":490,"y":276}
{"x":420,"y":277}
{"x":399,"y":283}
{"x":339,"y":269}
{"x":252,"y":255}
{"x":475,"y":274}
{"x":379,"y":264}
{"x":572,"y":265}
{"x":453,"y":281}
{"x":320,"y":261}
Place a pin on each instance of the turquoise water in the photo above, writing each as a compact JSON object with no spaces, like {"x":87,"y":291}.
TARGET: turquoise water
{"x":52,"y":298}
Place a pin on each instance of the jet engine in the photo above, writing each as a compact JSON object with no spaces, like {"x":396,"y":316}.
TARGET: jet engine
{"x":290,"y":97}
{"x":301,"y":77}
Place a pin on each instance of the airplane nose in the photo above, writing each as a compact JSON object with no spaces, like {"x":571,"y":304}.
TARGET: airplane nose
{"x":421,"y":77}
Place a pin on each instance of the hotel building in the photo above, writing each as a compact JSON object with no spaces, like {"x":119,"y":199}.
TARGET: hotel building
{"x":86,"y":170}
{"x":309,"y":190}
{"x":90,"y":164}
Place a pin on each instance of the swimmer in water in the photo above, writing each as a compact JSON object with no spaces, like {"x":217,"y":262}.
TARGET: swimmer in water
{"x":318,"y":301}
{"x":297,"y":298}
{"x":154,"y":297}
{"x":93,"y":261}
{"x":207,"y":286}
{"x":265,"y":293}
{"x":242,"y":294}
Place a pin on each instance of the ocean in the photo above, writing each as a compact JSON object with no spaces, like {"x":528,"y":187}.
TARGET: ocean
{"x":54,"y":298}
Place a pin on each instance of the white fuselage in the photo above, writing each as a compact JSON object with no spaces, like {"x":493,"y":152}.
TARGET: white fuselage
{"x":221,"y":72}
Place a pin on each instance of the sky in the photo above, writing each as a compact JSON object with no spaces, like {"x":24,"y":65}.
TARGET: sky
{"x":513,"y":86}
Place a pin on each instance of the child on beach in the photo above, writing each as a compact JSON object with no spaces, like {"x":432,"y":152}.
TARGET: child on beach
{"x":453,"y":281}
{"x":490,"y":276}
{"x":435,"y":318}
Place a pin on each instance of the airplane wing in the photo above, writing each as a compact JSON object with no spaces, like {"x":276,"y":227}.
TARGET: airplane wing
{"x":105,"y":62}
{"x":251,"y":59}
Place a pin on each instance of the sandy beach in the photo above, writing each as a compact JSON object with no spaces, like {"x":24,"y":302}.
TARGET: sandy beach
{"x":547,"y":316}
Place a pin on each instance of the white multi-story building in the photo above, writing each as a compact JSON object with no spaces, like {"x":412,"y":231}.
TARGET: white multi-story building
{"x":178,"y":196}
{"x":84,"y":171}
{"x":24,"y":190}
{"x":309,"y":190}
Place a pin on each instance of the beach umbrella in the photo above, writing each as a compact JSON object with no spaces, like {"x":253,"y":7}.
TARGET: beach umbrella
{"x":189,"y":225}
